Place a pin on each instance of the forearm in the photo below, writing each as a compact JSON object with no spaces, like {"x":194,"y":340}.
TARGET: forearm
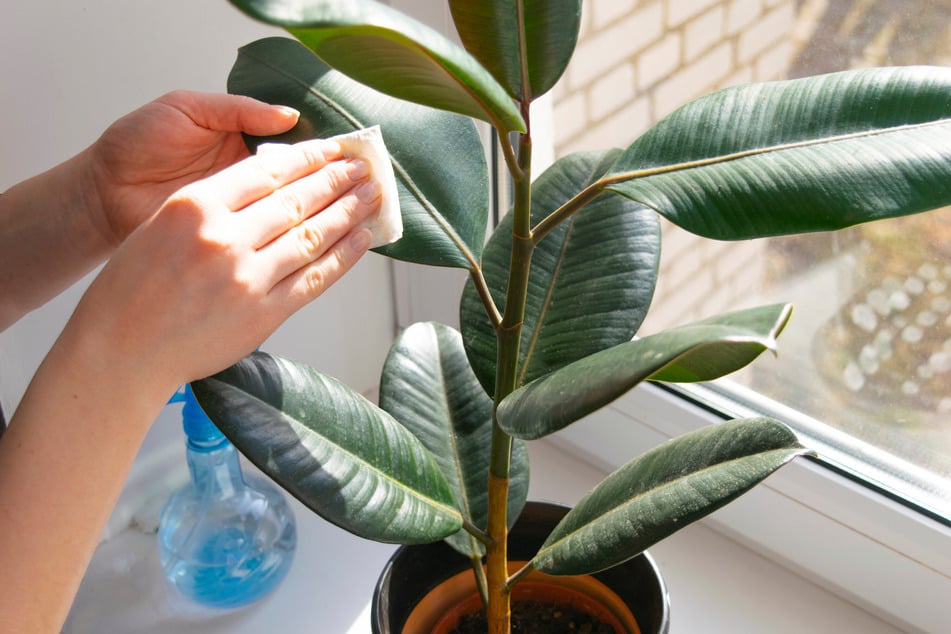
{"x":201,"y":283}
{"x":63,"y":463}
{"x":49,"y":236}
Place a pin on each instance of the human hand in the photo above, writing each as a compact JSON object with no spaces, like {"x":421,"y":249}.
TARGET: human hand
{"x":179,"y":138}
{"x":224,"y":262}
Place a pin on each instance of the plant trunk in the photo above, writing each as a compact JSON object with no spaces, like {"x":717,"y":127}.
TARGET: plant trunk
{"x":498,"y":609}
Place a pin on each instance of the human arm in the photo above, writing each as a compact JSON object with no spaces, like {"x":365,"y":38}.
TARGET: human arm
{"x":197,"y":286}
{"x":59,"y":225}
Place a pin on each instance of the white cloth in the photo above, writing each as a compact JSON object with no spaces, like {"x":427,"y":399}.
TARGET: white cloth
{"x":367,"y":144}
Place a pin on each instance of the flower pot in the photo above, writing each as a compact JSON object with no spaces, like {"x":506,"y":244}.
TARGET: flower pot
{"x":423,"y":587}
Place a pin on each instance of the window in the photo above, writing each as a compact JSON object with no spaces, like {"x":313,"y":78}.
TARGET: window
{"x":873,"y":365}
{"x":862,"y":377}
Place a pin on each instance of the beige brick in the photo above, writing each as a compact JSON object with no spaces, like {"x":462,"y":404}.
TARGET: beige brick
{"x":611,"y":91}
{"x":742,"y":13}
{"x":742,"y":75}
{"x":560,"y":90}
{"x":703,"y":32}
{"x":774,"y":63}
{"x":609,"y":47}
{"x":677,"y":242}
{"x":676,"y":304}
{"x":604,"y":12}
{"x":694,"y":80}
{"x":618,"y":130}
{"x":738,"y":263}
{"x":734,"y":293}
{"x":627,"y":43}
{"x":679,"y":11}
{"x":774,"y":27}
{"x":719,"y":301}
{"x":739,"y":269}
{"x":570,"y":116}
{"x":586,"y":26}
{"x":681,"y":264}
{"x":659,"y":61}
{"x":809,"y":15}
{"x":701,"y":278}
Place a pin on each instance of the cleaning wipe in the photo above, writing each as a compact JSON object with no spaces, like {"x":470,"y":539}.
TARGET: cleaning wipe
{"x":367,"y":144}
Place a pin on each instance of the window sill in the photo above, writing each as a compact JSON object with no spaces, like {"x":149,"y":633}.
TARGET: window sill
{"x":716,"y":584}
{"x":843,"y":537}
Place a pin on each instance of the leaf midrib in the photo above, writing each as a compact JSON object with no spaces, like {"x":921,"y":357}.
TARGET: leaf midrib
{"x":726,"y":158}
{"x":346,"y":452}
{"x":666,"y":485}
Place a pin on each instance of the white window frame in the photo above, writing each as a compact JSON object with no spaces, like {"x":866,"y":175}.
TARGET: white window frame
{"x":892,"y":561}
{"x":849,"y":538}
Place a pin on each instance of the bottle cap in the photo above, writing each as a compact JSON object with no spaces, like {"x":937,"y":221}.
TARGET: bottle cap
{"x":200,"y":432}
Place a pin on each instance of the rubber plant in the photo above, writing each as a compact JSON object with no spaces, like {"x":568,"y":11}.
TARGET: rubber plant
{"x":554,"y":298}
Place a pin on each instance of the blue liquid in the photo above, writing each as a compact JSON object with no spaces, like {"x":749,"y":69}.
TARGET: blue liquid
{"x":225,"y":541}
{"x":227,"y":568}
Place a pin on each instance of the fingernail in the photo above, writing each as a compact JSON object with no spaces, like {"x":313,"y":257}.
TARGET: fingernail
{"x":288,"y":111}
{"x":368,"y":192}
{"x":360,"y":240}
{"x":357,"y":169}
{"x":331,"y":149}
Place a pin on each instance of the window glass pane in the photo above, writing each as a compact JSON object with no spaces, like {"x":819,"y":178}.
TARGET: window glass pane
{"x":868,"y":351}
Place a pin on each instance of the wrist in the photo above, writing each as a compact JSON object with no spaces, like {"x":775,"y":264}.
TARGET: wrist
{"x":89,"y":360}
{"x":51,"y":236}
{"x":94,"y":182}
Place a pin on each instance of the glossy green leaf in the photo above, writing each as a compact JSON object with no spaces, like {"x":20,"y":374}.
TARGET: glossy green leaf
{"x":591,"y":281}
{"x":343,"y":457}
{"x":700,"y":351}
{"x":664,"y":490}
{"x":444,"y":220}
{"x":393,"y":53}
{"x":810,"y":154}
{"x":492,"y":31}
{"x":428,"y":386}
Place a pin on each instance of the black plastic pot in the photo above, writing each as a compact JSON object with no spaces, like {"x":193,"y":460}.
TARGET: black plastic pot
{"x":414,"y":571}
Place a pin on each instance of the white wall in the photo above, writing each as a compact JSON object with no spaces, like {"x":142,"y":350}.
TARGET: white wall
{"x":69,"y":69}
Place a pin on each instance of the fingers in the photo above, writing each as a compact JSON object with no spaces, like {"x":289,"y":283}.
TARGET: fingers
{"x":232,"y":113}
{"x":294,"y":203}
{"x":310,"y":281}
{"x":258,"y":176}
{"x":308,"y":241}
{"x":285,"y":223}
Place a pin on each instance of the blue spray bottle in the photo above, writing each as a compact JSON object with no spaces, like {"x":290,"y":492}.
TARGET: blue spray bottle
{"x":225,"y":539}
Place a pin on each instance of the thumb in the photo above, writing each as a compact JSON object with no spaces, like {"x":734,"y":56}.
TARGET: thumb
{"x":233,"y":113}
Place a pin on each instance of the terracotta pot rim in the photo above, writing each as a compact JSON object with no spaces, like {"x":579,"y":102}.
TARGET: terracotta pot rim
{"x":441,"y":609}
{"x":403,"y":581}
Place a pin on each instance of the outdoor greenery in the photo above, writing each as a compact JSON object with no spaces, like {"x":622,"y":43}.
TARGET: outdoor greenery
{"x":556,"y":295}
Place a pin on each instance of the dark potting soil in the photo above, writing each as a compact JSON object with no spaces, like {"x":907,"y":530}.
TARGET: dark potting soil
{"x":535,"y":617}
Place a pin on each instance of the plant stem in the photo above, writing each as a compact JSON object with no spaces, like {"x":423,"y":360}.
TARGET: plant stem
{"x":479,"y":570}
{"x":520,"y":574}
{"x":478,"y":280}
{"x":558,"y":216}
{"x":498,"y":609}
{"x":473,"y":530}
{"x":508,"y":153}
{"x":498,"y":605}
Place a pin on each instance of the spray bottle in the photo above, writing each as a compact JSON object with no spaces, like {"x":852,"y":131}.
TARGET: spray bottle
{"x":225,"y":539}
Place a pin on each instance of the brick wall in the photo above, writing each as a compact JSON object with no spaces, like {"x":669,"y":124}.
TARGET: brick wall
{"x":638,"y":60}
